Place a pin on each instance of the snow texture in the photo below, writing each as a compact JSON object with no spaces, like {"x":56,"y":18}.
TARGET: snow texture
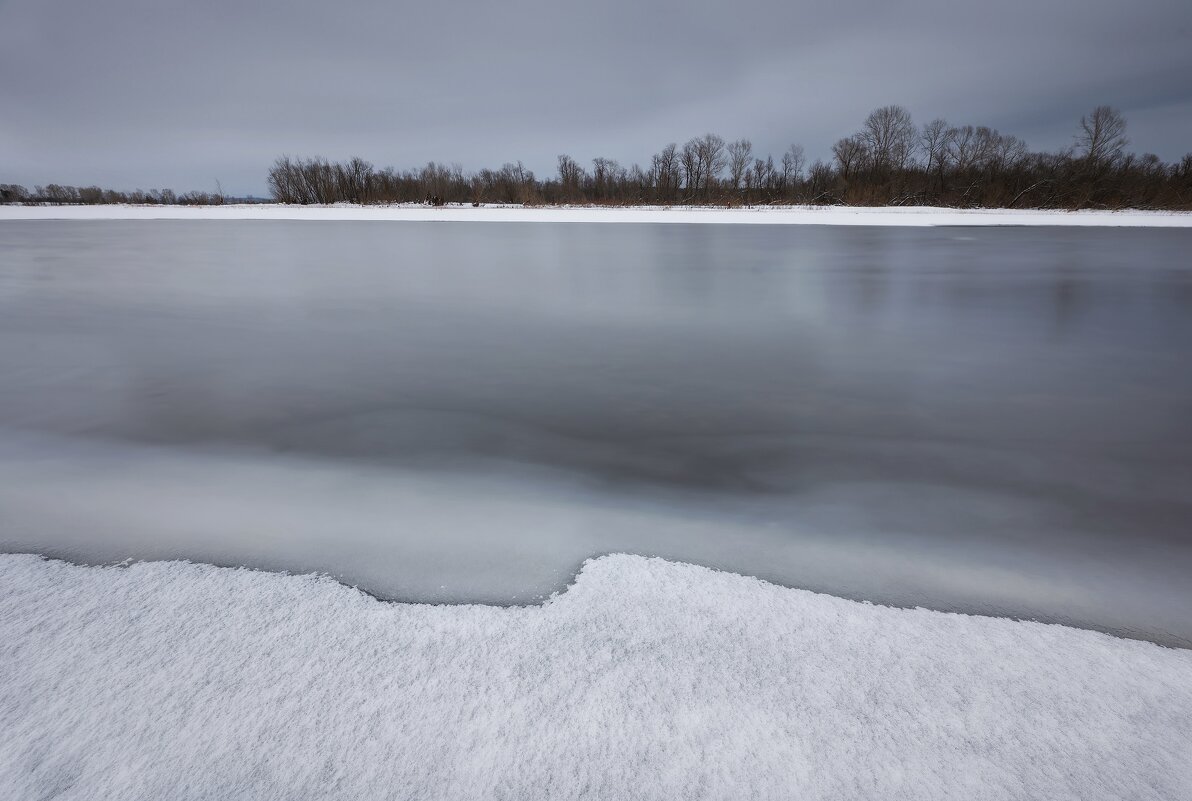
{"x":788,"y":215}
{"x":646,"y":679}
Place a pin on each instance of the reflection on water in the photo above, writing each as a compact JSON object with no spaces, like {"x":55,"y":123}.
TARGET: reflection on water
{"x":993,"y":420}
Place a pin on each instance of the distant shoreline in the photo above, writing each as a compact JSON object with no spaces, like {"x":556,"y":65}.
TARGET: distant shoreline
{"x":912,"y":216}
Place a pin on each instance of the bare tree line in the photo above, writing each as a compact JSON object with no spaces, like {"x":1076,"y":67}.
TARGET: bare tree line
{"x":60,"y":195}
{"x":889,"y":161}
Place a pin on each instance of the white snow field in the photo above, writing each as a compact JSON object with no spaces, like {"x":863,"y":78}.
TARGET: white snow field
{"x":646,"y":679}
{"x":787,"y":215}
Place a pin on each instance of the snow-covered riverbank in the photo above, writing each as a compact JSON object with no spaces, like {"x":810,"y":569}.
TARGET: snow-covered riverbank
{"x":646,"y":679}
{"x":797,"y":215}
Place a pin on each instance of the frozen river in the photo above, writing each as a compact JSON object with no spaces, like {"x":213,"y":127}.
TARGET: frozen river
{"x":993,"y":420}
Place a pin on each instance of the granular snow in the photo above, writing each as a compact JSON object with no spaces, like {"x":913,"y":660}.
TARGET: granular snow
{"x":646,"y":679}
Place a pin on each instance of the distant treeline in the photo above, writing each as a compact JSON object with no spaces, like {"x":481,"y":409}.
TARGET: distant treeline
{"x":59,"y":195}
{"x":890,"y":161}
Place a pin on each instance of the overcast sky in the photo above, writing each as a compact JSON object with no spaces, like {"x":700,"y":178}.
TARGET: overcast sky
{"x":165,"y":93}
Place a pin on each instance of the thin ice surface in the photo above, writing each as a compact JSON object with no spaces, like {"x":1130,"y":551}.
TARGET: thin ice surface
{"x":647,"y":679}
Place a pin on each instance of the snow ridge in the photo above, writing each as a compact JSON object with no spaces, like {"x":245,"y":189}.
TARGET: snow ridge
{"x":647,"y":679}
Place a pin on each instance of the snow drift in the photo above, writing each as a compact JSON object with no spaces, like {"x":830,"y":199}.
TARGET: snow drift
{"x":647,"y":679}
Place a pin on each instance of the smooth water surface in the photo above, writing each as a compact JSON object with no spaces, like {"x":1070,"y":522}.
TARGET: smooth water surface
{"x":993,"y":420}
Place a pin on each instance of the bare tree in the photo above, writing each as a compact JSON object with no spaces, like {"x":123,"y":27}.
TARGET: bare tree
{"x":478,"y":188}
{"x":58,"y":194}
{"x":933,"y":141}
{"x":692,"y":165}
{"x":281,"y":181}
{"x":740,"y":153}
{"x":606,"y":174}
{"x":13,"y":193}
{"x":765,"y":177}
{"x":889,"y":136}
{"x":516,"y":184}
{"x":819,"y":180}
{"x":710,"y":149}
{"x":355,"y":179}
{"x":1102,"y":136}
{"x":792,"y":165}
{"x":1003,"y":151}
{"x":665,"y":172}
{"x":637,"y":183}
{"x":89,"y":195}
{"x":849,"y":152}
{"x":571,"y":177}
{"x":435,"y":183}
{"x":960,"y":147}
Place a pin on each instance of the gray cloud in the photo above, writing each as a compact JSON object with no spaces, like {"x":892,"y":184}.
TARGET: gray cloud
{"x":149,"y":93}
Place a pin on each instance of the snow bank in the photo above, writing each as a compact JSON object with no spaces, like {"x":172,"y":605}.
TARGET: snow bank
{"x":647,"y":679}
{"x":797,"y":215}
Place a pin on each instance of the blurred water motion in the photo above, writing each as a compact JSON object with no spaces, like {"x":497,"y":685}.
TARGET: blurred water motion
{"x":984,"y":420}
